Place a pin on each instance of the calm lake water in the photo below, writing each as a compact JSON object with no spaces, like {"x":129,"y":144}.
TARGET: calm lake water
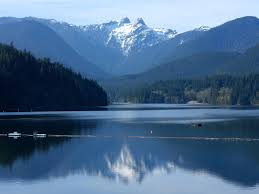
{"x":132,"y":149}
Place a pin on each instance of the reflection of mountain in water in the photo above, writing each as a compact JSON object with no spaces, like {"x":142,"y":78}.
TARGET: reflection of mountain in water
{"x":127,"y":168}
{"x":133,"y":159}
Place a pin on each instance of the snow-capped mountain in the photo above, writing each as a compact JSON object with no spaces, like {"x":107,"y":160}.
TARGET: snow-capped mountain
{"x":134,"y":37}
{"x":118,"y":47}
{"x":130,"y":37}
{"x":109,"y":45}
{"x":122,"y":46}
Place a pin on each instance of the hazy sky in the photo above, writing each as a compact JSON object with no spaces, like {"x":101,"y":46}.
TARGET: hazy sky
{"x":181,"y":15}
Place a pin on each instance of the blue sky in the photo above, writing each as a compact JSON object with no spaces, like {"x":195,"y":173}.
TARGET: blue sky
{"x":181,"y":15}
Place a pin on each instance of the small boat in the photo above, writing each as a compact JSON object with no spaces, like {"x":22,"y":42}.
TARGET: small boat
{"x":41,"y":136}
{"x":197,"y":125}
{"x":14,"y":135}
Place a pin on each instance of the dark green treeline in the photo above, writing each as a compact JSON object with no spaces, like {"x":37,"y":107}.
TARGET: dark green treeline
{"x":29,"y":83}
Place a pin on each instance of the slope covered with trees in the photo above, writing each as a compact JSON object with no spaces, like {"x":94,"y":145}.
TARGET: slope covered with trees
{"x":29,"y":83}
{"x":221,"y":89}
{"x":195,"y":66}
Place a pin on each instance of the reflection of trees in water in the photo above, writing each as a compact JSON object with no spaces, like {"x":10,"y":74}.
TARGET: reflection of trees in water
{"x":133,"y":159}
{"x":23,"y":148}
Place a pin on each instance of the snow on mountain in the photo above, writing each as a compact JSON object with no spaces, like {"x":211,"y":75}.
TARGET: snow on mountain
{"x":134,"y":37}
{"x":129,"y":37}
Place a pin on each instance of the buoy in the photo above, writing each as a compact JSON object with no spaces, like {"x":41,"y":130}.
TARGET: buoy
{"x":14,"y":135}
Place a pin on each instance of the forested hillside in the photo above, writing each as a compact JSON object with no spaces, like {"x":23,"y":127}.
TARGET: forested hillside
{"x":221,"y":89}
{"x":28,"y":83}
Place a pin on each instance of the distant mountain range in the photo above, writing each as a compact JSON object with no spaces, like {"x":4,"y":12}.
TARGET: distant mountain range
{"x":124,"y":47}
{"x":196,"y":66}
{"x":234,"y":36}
{"x":111,"y":45}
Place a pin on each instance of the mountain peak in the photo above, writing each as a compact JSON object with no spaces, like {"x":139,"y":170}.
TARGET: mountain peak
{"x":247,"y":20}
{"x":140,"y":21}
{"x":125,"y":20}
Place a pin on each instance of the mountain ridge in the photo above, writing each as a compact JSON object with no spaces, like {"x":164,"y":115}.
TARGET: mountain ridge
{"x":191,"y":67}
{"x":125,"y":47}
{"x":44,"y":42}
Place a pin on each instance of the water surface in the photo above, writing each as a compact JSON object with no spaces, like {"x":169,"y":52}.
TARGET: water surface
{"x":132,"y":149}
